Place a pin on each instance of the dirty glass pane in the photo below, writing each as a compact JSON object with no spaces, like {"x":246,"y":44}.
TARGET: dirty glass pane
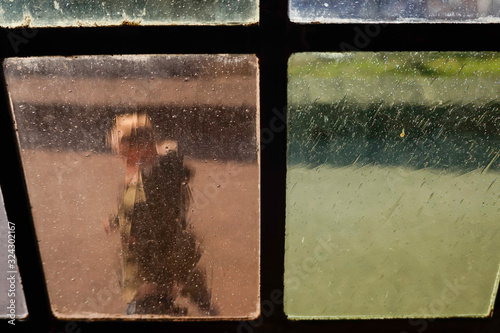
{"x":143,"y":175}
{"x":76,"y":13}
{"x":336,"y":11}
{"x":393,"y":198}
{"x":12,"y":300}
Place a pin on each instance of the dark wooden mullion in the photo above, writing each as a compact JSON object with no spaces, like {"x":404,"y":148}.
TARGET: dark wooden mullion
{"x":128,"y":40}
{"x":394,"y":37}
{"x":273,"y":54}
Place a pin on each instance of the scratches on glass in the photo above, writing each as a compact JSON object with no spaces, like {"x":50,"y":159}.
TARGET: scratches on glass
{"x":392,"y":191}
{"x":88,"y":13}
{"x":143,"y":177}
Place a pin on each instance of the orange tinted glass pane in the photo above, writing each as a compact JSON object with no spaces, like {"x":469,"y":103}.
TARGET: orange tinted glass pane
{"x":143,"y":175}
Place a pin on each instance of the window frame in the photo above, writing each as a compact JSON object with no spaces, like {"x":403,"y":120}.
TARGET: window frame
{"x":273,"y":40}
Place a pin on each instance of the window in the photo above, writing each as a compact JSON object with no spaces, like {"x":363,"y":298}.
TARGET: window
{"x":413,"y":11}
{"x":143,"y":178}
{"x":273,"y":41}
{"x":11,"y":287}
{"x":48,"y":13}
{"x":391,"y":185}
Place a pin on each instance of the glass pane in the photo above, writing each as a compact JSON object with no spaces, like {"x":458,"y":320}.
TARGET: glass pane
{"x":143,"y":175}
{"x":393,"y":203}
{"x":12,"y":300}
{"x":54,"y":13}
{"x":335,"y":11}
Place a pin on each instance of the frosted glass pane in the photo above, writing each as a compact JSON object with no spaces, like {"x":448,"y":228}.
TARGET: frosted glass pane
{"x":336,"y":11}
{"x":55,"y":13}
{"x":12,"y":300}
{"x":393,"y":198}
{"x":143,"y":177}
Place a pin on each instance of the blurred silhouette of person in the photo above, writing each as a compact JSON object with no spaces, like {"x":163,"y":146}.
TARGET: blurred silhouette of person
{"x":159,"y":254}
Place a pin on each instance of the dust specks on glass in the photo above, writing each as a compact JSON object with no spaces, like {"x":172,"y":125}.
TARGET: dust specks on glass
{"x":54,"y":13}
{"x":12,"y":301}
{"x":393,"y":199}
{"x":143,"y":176}
{"x":404,"y":11}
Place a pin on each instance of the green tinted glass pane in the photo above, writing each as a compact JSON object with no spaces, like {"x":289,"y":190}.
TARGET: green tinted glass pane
{"x":55,"y":13}
{"x":392,"y":194}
